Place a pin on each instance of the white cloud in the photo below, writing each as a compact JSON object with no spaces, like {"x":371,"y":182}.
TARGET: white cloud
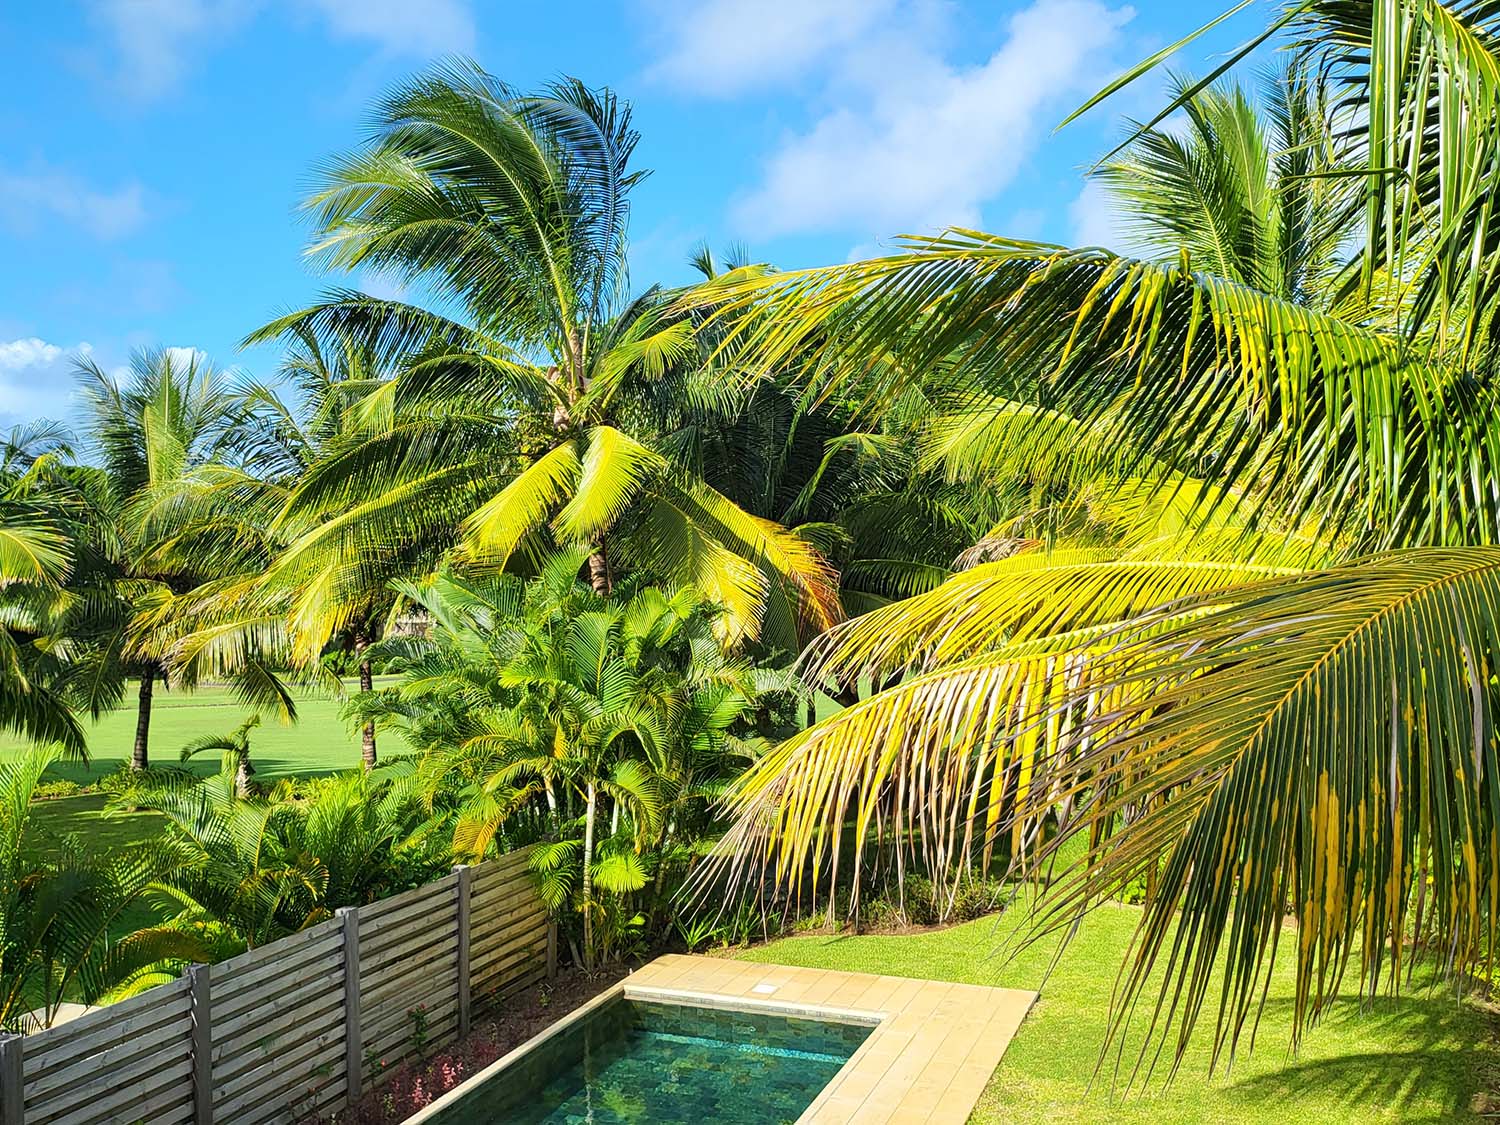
{"x":39,"y":192}
{"x":182,"y":357}
{"x":158,"y":42}
{"x":927,"y":150}
{"x":401,"y":27}
{"x":724,"y":47}
{"x":36,"y":378}
{"x":1095,"y":219}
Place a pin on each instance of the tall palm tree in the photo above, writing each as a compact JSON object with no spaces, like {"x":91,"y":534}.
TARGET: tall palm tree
{"x":37,"y":548}
{"x":514,"y":208}
{"x":1316,"y":742}
{"x":160,"y":439}
{"x":1257,"y":191}
{"x":339,"y":402}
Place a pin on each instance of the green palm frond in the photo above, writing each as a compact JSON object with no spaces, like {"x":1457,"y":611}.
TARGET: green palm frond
{"x":1314,"y":418}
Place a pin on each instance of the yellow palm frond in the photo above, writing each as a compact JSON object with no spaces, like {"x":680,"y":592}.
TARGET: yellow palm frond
{"x":1029,"y":596}
{"x":525,"y":504}
{"x":615,"y":470}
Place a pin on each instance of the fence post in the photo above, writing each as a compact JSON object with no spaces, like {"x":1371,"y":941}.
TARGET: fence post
{"x":203,"y":1046}
{"x":465,"y":875}
{"x":353,"y":1035}
{"x":551,"y":949}
{"x":12,"y":1081}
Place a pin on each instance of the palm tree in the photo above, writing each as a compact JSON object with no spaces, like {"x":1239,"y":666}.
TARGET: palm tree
{"x":1256,"y":191}
{"x":235,"y":746}
{"x":159,"y":440}
{"x":1316,"y":742}
{"x":56,"y":917}
{"x":340,"y":401}
{"x":514,"y":207}
{"x":36,"y":557}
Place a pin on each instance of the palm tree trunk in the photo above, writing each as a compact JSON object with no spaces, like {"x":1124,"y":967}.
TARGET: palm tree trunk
{"x":366,"y":684}
{"x":599,"y":575}
{"x":139,"y":753}
{"x":588,"y":880}
{"x":242,"y":771}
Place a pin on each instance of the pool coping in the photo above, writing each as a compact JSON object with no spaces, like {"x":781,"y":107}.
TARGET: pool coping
{"x":930,"y":1053}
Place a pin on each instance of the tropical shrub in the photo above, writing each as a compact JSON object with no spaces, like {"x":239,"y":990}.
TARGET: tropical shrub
{"x":258,"y":867}
{"x":59,"y":917}
{"x":605,"y":726}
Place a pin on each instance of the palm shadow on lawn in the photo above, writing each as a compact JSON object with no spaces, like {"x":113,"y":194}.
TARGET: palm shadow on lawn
{"x":1429,"y":1066}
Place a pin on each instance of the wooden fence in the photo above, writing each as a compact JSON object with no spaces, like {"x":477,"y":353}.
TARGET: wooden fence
{"x":296,"y":1027}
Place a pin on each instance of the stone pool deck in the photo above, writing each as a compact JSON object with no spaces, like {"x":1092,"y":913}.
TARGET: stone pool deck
{"x":933,"y":1049}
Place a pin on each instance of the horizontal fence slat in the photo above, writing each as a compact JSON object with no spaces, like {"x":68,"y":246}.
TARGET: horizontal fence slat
{"x":503,"y":869}
{"x":412,"y":954}
{"x":96,"y":1101}
{"x":148,"y":1003}
{"x":271,"y":964}
{"x":496,"y":976}
{"x":423,"y":925}
{"x":292,"y":989}
{"x":494,"y":928}
{"x":243,"y":963}
{"x":396,"y":904}
{"x":169,"y":1037}
{"x":255,"y":1027}
{"x":283,"y":1069}
{"x":500,"y":950}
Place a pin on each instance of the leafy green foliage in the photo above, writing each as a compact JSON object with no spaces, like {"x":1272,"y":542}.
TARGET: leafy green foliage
{"x":56,"y":916}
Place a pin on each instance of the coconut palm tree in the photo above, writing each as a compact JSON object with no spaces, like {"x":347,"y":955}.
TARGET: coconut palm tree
{"x":327,"y":580}
{"x":36,"y":556}
{"x":163,"y":523}
{"x":514,"y":208}
{"x":1317,"y":742}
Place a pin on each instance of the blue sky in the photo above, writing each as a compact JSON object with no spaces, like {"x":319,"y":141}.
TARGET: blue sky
{"x":153,"y":152}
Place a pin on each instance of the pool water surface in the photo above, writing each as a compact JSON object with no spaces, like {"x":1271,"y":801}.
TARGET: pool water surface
{"x":668,"y":1064}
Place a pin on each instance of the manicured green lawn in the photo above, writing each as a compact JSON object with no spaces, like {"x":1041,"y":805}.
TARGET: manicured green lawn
{"x":1421,"y":1058}
{"x":319,"y":742}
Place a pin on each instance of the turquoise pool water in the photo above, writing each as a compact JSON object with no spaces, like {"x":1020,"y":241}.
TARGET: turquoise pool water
{"x":667,"y":1064}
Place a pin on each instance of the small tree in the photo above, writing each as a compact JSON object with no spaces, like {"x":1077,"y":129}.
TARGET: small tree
{"x":235,"y":747}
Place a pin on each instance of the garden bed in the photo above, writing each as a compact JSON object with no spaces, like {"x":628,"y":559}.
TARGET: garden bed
{"x":406,"y":1088}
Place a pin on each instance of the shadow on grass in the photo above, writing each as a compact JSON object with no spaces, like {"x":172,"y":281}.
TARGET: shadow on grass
{"x":1449,"y":1054}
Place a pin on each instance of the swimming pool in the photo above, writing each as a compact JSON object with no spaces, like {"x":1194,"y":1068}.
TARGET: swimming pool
{"x":634,"y":1060}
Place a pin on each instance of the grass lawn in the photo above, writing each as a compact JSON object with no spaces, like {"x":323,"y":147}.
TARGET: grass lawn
{"x":1421,"y":1058}
{"x":318,"y":742}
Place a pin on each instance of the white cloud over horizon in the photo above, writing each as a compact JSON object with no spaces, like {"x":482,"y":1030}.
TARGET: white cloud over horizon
{"x":916,"y":142}
{"x":156,"y":43}
{"x":36,"y":378}
{"x":39,"y":378}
